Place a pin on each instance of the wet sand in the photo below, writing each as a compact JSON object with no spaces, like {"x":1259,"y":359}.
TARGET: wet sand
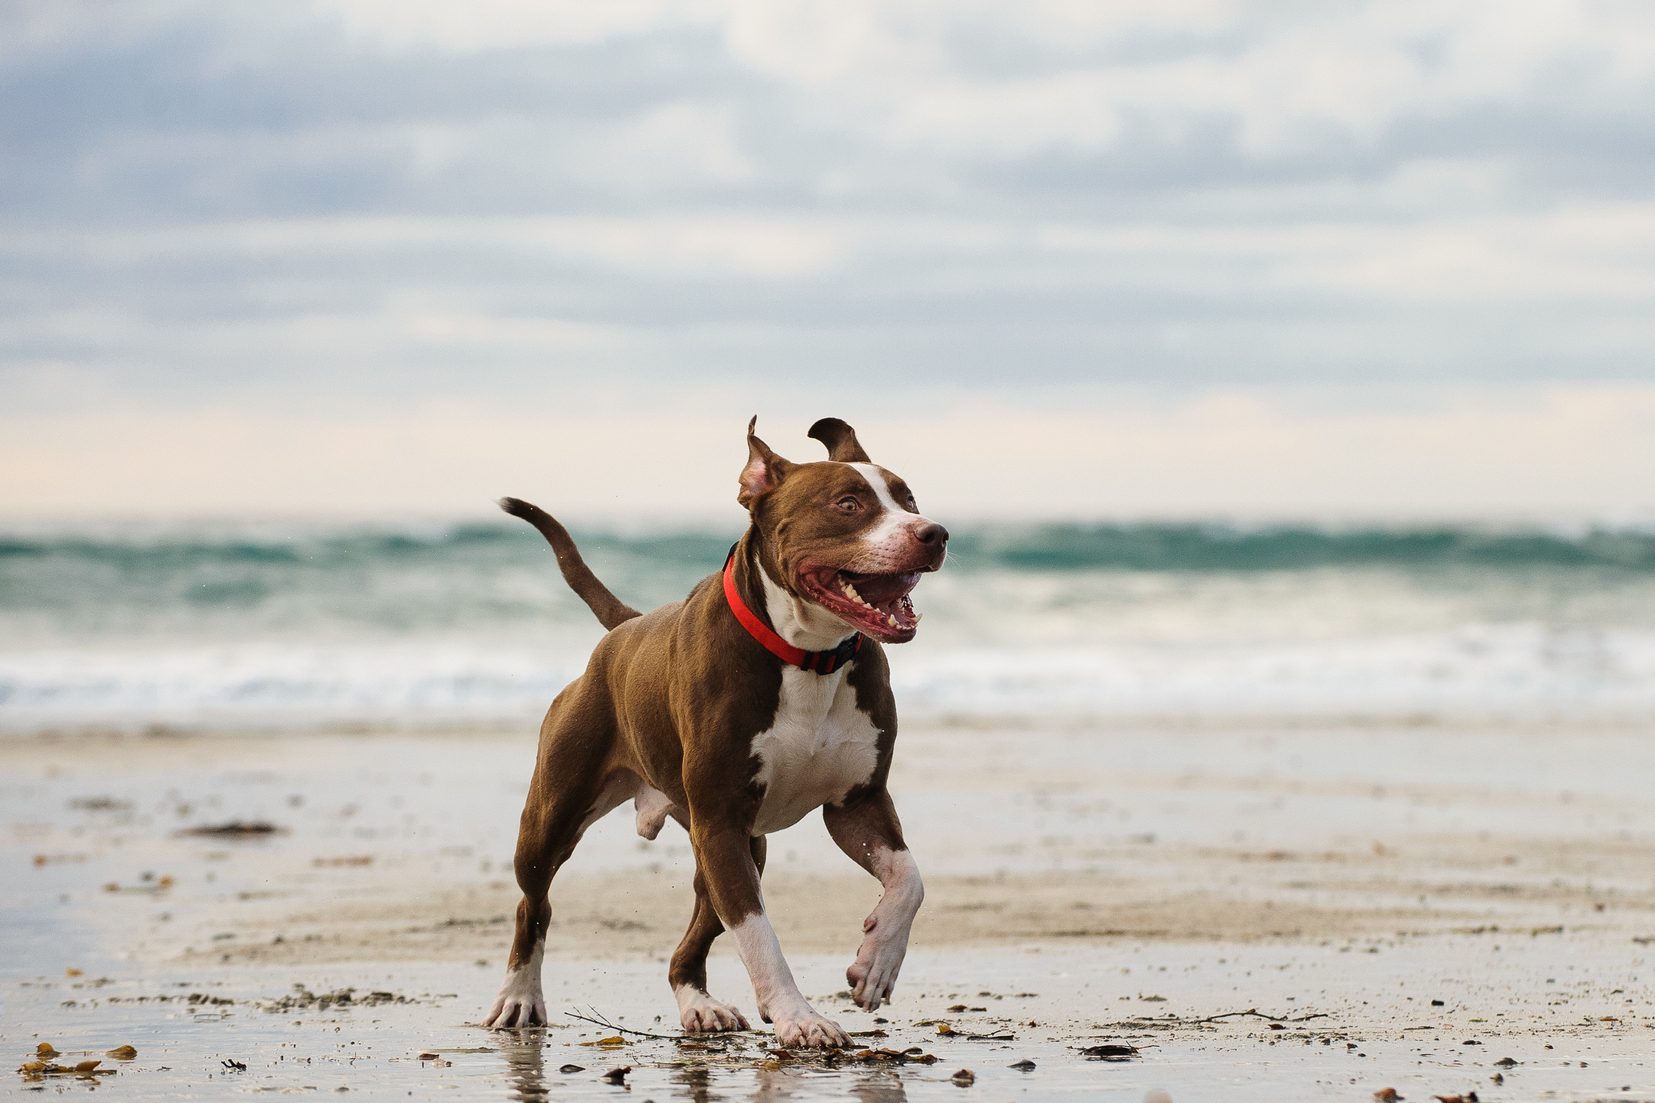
{"x":1264,"y":910}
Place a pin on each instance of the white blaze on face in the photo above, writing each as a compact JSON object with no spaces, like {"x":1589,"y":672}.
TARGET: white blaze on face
{"x":885,"y":535}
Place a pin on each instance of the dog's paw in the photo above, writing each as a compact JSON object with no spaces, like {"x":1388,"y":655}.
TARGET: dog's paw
{"x":518,"y":1004}
{"x":699,"y":1013}
{"x":801,"y":1026}
{"x":872,"y":976}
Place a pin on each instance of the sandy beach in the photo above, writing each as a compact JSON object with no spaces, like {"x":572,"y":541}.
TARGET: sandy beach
{"x":1261,"y":909}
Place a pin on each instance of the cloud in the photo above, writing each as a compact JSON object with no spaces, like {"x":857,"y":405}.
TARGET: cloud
{"x":298,"y":208}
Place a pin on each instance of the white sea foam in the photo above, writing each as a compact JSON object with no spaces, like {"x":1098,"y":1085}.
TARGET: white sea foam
{"x":1509,"y":671}
{"x":472,"y":626}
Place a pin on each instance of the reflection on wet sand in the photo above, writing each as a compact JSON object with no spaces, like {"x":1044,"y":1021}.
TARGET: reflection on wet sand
{"x":697,"y":1084}
{"x":702,"y":1084}
{"x":525,"y":1054}
{"x":703,"y":1081}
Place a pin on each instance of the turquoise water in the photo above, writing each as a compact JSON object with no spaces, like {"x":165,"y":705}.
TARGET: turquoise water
{"x":256,"y":625}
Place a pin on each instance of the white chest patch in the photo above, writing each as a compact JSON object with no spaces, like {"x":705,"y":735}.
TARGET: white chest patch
{"x":819,"y":748}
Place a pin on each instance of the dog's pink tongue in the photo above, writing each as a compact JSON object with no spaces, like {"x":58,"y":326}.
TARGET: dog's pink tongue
{"x":882,"y":589}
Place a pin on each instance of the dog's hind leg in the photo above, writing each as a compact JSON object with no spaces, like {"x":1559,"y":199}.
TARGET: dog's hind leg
{"x":697,"y":1011}
{"x":568,"y":792}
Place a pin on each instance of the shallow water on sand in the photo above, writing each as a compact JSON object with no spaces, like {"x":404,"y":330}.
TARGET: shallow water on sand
{"x":376,"y":1050}
{"x":1149,"y":886}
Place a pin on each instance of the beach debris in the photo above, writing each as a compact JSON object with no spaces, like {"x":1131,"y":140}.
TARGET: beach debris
{"x":1157,"y":1095}
{"x":343,"y":860}
{"x":233,"y":1065}
{"x":1110,"y":1052}
{"x":45,"y":1051}
{"x":147,"y":883}
{"x":964,"y":1078}
{"x":1025,"y":1065}
{"x":1497,"y":1079}
{"x":37,"y":1070}
{"x":949,"y":1030}
{"x":567,"y":1069}
{"x":611,"y":1042}
{"x":428,"y":1057}
{"x":122,"y":1053}
{"x":1468,"y":1097}
{"x":913,"y":1055}
{"x":194,"y":999}
{"x":617,"y":1076}
{"x":959,"y":1007}
{"x":234,"y":829}
{"x":101,"y":804}
{"x":1386,"y":1095}
{"x":302,"y":998}
{"x":1507,"y":1062}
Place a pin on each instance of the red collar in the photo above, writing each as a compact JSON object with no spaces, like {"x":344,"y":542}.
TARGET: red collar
{"x":818,"y":662}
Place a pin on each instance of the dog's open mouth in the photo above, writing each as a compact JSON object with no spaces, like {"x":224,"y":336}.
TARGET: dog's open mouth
{"x":878,"y":605}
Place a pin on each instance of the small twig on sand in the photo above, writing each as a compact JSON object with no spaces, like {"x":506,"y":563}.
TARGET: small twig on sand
{"x":1253,"y":1012}
{"x":598,"y":1019}
{"x":1250,"y":1013}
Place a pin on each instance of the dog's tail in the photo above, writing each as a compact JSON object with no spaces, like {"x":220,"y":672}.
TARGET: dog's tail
{"x":610,"y":610}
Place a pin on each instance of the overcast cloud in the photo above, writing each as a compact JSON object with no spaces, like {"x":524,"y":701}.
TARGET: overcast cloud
{"x":338,"y":210}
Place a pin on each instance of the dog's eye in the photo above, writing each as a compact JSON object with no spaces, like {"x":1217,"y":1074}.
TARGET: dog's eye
{"x":848,"y":504}
{"x":913,"y":506}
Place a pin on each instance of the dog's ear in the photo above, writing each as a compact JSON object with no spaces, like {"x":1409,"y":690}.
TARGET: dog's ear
{"x":840,"y":440}
{"x":764,"y":471}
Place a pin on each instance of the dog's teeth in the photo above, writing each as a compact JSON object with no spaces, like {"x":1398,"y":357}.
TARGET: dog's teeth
{"x":892,"y":618}
{"x":850,"y":591}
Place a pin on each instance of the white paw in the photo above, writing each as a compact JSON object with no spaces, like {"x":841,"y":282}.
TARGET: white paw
{"x":519,"y":1002}
{"x":802,"y":1026}
{"x":701,"y":1014}
{"x":872,"y":976}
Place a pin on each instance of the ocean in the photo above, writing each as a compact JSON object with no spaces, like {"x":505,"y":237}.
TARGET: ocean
{"x":257,"y":626}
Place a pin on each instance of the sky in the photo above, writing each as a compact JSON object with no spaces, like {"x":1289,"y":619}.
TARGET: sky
{"x":1134,"y":259}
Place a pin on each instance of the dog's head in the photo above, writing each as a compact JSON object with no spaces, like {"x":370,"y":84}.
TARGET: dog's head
{"x":843,"y":534}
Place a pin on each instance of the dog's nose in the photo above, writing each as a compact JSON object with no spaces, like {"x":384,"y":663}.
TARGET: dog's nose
{"x":932,"y":535}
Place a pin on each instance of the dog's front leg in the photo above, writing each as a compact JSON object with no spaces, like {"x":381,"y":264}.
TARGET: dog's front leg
{"x":866,"y":828}
{"x":732,"y":877}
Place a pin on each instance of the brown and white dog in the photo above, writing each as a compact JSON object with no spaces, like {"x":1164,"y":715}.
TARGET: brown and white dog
{"x":761,"y":696}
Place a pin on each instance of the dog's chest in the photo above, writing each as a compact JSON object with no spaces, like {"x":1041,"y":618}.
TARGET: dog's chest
{"x":820,"y":747}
